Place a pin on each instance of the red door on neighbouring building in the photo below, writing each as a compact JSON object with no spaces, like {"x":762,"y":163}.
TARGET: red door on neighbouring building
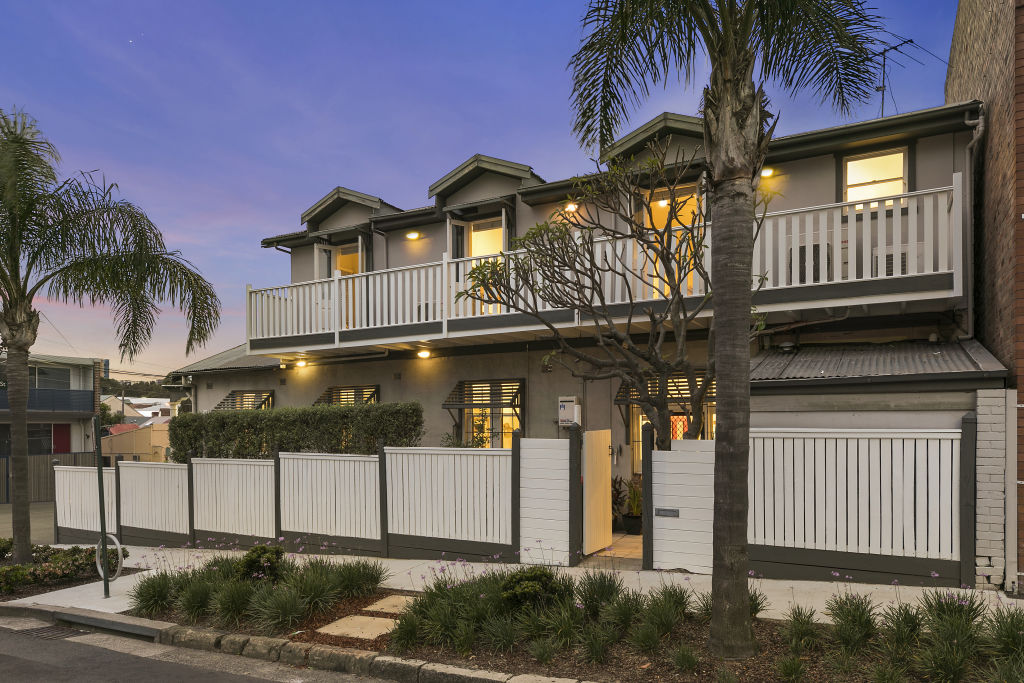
{"x":61,"y":438}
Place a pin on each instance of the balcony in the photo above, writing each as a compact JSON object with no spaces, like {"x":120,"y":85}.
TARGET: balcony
{"x":56,"y":400}
{"x":902,"y":251}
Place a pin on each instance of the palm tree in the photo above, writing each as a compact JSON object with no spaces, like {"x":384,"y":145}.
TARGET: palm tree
{"x":75,"y":241}
{"x":826,"y":46}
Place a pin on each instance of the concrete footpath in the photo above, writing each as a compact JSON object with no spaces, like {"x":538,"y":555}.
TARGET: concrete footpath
{"x":413,"y":575}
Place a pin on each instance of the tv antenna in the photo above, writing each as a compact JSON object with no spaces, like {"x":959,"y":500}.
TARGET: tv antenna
{"x":884,"y":52}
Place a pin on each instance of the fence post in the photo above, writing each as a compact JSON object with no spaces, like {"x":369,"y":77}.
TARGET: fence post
{"x":575,"y":495}
{"x":968,"y":520}
{"x":382,"y":476}
{"x":56,"y":535}
{"x":278,"y":533}
{"x":191,"y":503}
{"x":647,"y":517}
{"x":516,"y":491}
{"x":117,"y":494}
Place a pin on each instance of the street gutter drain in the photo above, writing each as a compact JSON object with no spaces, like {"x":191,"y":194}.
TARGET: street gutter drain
{"x":52,"y":632}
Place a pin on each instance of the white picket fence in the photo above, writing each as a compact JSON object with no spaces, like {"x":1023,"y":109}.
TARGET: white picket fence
{"x":154,"y":496}
{"x":450,"y":493}
{"x":864,"y":491}
{"x":234,"y":496}
{"x":544,"y":501}
{"x":683,"y":482}
{"x":77,"y":498}
{"x":330,"y":495}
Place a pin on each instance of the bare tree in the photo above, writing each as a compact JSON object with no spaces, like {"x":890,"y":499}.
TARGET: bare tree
{"x":627,"y":253}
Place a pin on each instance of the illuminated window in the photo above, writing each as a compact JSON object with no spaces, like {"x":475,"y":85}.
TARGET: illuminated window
{"x":346,"y":258}
{"x":485,"y":238}
{"x":869,"y":176}
{"x":486,"y":412}
{"x":686,"y":200}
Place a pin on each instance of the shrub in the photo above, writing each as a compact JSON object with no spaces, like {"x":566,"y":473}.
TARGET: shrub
{"x":529,"y":624}
{"x":562,"y":622}
{"x":624,"y":611}
{"x":231,"y":602}
{"x":54,"y":565}
{"x":534,"y":586}
{"x":953,"y":635}
{"x":684,"y":659}
{"x":853,"y":619}
{"x":317,"y":429}
{"x":801,"y":632}
{"x":702,"y":607}
{"x":595,"y":589}
{"x":645,"y":638}
{"x":221,"y":568}
{"x":1007,"y":669}
{"x":359,"y":578}
{"x":6,"y":545}
{"x":758,"y":602}
{"x":152,"y":595}
{"x":1006,"y":632}
{"x":440,"y":622}
{"x":663,"y":615}
{"x":501,"y":633}
{"x":542,"y":649}
{"x":900,"y":629}
{"x":406,"y":632}
{"x":464,"y":637}
{"x":939,"y":605}
{"x":595,"y":641}
{"x":261,"y":562}
{"x":315,"y":585}
{"x":194,"y":599}
{"x":791,"y":668}
{"x":887,"y":672}
{"x":277,"y":608}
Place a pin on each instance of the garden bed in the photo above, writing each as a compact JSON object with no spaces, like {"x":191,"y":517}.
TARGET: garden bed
{"x":533,"y":620}
{"x":52,"y":569}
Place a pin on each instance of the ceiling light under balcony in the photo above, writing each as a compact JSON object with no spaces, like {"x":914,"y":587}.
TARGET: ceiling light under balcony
{"x":300,"y":364}
{"x":663,"y":203}
{"x":412,"y":235}
{"x":423,"y":353}
{"x":283,"y":365}
{"x":767,"y":172}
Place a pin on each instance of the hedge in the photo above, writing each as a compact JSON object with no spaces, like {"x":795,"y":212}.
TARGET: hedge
{"x":317,"y":429}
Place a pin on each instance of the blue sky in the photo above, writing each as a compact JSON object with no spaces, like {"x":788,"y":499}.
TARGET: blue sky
{"x":225,"y":120}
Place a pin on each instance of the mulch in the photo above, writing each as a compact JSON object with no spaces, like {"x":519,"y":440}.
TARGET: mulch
{"x":40,"y":588}
{"x":625,"y":663}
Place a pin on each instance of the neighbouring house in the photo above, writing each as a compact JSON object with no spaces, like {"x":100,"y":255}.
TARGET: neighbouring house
{"x":123,"y":405}
{"x":145,"y":443}
{"x":986,"y":62}
{"x":63,"y":397}
{"x":868,"y":252}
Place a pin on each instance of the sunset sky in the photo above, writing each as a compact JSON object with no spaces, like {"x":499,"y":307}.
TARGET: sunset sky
{"x":226,"y":120}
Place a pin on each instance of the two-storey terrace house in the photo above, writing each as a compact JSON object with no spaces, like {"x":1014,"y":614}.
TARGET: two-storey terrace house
{"x":63,"y":397}
{"x":867,"y":252}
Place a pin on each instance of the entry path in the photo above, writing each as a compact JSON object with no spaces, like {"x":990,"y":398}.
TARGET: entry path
{"x":414,"y":575}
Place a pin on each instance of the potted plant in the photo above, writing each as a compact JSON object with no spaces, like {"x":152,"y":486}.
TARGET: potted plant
{"x":618,"y":500}
{"x":632,"y":521}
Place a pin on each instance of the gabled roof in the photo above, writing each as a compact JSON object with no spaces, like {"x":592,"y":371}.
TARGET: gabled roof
{"x":477,"y":165}
{"x":661,"y":125}
{"x":338,"y":197}
{"x":235,"y":358}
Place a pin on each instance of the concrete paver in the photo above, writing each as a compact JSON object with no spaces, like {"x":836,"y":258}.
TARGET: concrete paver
{"x":359,"y":626}
{"x":393,"y":604}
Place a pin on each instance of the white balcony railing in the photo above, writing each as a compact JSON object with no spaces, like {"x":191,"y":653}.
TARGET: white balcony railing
{"x":908,"y":235}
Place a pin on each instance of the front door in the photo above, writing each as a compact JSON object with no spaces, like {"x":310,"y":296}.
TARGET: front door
{"x":597,"y":491}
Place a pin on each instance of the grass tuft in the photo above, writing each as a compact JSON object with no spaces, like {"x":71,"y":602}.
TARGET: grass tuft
{"x":231,"y":602}
{"x":1006,"y":632}
{"x":853,"y":618}
{"x":500,"y":632}
{"x":406,"y":633}
{"x":152,"y":595}
{"x":645,"y":638}
{"x":194,"y":599}
{"x":595,"y":589}
{"x":277,"y":609}
{"x":791,"y":668}
{"x":542,"y":649}
{"x":684,"y":659}
{"x":802,"y":634}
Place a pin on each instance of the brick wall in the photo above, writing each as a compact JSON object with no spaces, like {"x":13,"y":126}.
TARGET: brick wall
{"x":986,"y":62}
{"x":990,"y":522}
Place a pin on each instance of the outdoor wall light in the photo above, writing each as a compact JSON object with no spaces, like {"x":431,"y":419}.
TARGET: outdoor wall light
{"x":767,"y":172}
{"x":300,"y":364}
{"x":423,"y":353}
{"x":663,"y":203}
{"x":570,"y":207}
{"x":283,"y":365}
{"x":412,"y":235}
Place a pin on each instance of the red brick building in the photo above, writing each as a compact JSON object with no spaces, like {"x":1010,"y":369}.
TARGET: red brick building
{"x":986,"y":62}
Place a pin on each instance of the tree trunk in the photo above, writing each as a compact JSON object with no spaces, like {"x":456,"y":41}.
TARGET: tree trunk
{"x":732,"y":211}
{"x":17,"y":395}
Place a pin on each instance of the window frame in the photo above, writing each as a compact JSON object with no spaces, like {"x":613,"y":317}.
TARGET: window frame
{"x":844,"y":160}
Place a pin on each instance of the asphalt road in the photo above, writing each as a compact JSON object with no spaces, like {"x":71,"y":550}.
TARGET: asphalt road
{"x":100,"y":657}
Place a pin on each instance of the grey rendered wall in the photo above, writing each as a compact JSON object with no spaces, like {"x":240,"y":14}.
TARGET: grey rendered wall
{"x":405,"y":252}
{"x":348,"y":214}
{"x":487,"y":186}
{"x":302,"y":263}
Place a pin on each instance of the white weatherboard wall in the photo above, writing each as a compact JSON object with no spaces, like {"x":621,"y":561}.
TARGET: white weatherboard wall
{"x":77,"y":496}
{"x":154,"y":495}
{"x":330,"y":495}
{"x":544,"y":501}
{"x":450,"y":493}
{"x":234,"y":496}
{"x":683,"y":483}
{"x":872,"y":491}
